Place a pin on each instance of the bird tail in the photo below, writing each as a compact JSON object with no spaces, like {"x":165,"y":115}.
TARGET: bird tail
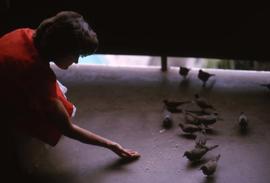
{"x":188,"y":101}
{"x":218,"y":157}
{"x":182,"y":102}
{"x":190,"y":113}
{"x":212,"y":107}
{"x":220,"y":118}
{"x":180,"y":125}
{"x":212,"y":147}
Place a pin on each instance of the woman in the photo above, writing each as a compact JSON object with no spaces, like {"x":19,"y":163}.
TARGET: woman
{"x":31,"y":97}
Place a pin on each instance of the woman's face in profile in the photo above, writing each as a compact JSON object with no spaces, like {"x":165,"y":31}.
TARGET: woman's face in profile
{"x":66,"y":61}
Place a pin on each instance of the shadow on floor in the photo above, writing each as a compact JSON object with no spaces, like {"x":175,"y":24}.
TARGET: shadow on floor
{"x":119,"y":164}
{"x":210,"y":179}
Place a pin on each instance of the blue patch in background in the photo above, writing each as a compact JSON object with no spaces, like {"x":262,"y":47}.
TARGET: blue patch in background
{"x":93,"y":59}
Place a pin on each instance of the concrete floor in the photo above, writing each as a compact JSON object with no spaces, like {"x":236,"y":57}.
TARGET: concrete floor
{"x":125,"y":105}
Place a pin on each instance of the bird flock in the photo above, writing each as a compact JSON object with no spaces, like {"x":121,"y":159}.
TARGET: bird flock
{"x":198,"y":123}
{"x":205,"y":76}
{"x":202,"y":75}
{"x":195,"y":123}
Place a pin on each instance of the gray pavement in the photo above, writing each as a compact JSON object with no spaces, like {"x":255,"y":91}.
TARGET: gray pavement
{"x":125,"y":105}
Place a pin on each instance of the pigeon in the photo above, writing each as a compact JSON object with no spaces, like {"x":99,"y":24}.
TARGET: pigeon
{"x":208,"y":119}
{"x":266,"y":85}
{"x":172,"y":106}
{"x":202,"y":103}
{"x":190,"y":119}
{"x":204,"y":76}
{"x":243,"y":121}
{"x":210,"y":166}
{"x":190,"y":128}
{"x":167,"y":120}
{"x":198,"y":152}
{"x":200,"y":139}
{"x":183,"y":71}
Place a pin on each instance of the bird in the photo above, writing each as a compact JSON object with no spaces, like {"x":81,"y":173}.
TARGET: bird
{"x":202,"y":103}
{"x":190,"y":119}
{"x":167,"y":120}
{"x":204,"y":76}
{"x":172,"y":106}
{"x":210,"y":166}
{"x":198,"y":152}
{"x":266,"y":85}
{"x":183,"y":71}
{"x":207,"y":119}
{"x":200,"y":139}
{"x":190,"y":128}
{"x":243,"y":121}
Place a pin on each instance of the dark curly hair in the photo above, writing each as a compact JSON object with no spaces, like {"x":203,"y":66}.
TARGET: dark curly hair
{"x":65,"y":33}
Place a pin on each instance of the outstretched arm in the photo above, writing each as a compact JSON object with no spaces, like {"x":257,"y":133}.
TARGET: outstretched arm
{"x":61,"y":117}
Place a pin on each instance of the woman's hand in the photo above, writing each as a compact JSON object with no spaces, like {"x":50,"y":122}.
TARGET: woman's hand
{"x":124,"y":153}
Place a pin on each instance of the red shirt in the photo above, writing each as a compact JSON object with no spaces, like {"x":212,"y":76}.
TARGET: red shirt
{"x":27,"y":84}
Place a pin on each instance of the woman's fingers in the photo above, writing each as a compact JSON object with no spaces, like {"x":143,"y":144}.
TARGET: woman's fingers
{"x":130,"y":154}
{"x":125,"y":153}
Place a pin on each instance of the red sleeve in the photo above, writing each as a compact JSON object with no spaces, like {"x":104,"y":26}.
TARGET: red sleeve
{"x":39,"y":125}
{"x":69,"y":106}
